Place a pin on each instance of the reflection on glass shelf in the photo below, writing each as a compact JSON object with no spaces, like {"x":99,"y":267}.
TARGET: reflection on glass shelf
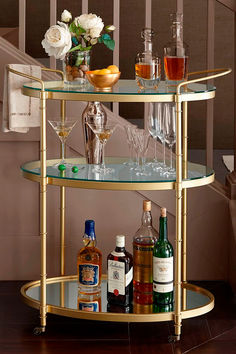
{"x":122,"y":173}
{"x":123,"y":87}
{"x":65,"y":294}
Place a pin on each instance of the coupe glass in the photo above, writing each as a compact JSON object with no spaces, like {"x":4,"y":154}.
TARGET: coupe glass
{"x":63,"y":130}
{"x":170,"y":132}
{"x":103,"y":133}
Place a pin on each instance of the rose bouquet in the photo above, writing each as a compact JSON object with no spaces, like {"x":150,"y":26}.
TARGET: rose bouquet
{"x":71,"y":40}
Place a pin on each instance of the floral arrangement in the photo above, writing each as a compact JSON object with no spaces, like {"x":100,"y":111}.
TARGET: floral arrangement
{"x":80,"y":34}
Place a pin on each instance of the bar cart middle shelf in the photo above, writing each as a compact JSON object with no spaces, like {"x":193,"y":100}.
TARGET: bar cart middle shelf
{"x":58,"y":295}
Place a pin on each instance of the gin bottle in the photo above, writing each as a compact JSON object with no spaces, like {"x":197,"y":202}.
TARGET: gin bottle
{"x":89,"y":261}
{"x":176,"y":53}
{"x":147,"y":64}
{"x":143,"y":243}
{"x":120,"y":274}
{"x":163,"y":265}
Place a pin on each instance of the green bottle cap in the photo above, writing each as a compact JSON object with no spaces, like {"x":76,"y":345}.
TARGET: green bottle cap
{"x":75,"y":169}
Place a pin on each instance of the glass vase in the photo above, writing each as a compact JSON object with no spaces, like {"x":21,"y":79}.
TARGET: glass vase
{"x":75,"y":65}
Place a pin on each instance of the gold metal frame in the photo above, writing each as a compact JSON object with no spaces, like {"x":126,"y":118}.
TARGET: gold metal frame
{"x":117,"y":317}
{"x":180,"y":187}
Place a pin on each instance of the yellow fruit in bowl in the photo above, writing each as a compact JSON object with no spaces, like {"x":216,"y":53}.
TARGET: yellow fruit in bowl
{"x":113,"y":68}
{"x":95,"y":71}
{"x":103,"y":72}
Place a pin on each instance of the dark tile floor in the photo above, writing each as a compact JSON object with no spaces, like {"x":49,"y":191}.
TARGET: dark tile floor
{"x":214,"y":333}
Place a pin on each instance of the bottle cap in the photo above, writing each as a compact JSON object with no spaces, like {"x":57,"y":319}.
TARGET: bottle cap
{"x":120,"y":241}
{"x":147,"y":205}
{"x":163,"y":212}
{"x":89,"y":229}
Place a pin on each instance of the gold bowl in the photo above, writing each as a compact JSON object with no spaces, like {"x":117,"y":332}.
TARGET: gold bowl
{"x":102,"y":82}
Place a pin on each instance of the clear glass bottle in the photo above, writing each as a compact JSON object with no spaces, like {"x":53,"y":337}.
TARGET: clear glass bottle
{"x":176,"y":53}
{"x":143,"y":243}
{"x":89,"y":301}
{"x":147,"y":64}
{"x":89,"y":261}
{"x":93,"y":113}
{"x":163,"y":256}
{"x":120,"y":274}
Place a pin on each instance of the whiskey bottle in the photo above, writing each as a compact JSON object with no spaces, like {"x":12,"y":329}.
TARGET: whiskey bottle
{"x":176,"y":53}
{"x":143,"y":243}
{"x":89,"y":261}
{"x":120,"y":274}
{"x":147,"y":64}
{"x":163,"y":265}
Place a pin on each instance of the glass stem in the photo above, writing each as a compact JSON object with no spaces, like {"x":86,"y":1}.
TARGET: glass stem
{"x":103,"y":156}
{"x":171,"y":157}
{"x":63,"y":152}
{"x":155,"y":156}
{"x":164,"y":153}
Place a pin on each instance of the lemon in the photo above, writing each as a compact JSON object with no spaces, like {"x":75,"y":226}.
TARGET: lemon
{"x":103,"y":72}
{"x":95,"y":71}
{"x":114,"y":69}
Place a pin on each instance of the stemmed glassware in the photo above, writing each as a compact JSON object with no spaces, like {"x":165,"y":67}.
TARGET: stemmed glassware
{"x":170,"y":132}
{"x":103,"y":133}
{"x":63,"y":130}
{"x":141,"y":142}
{"x":130,"y":131}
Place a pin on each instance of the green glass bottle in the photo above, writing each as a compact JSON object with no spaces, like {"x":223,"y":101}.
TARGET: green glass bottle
{"x":163,"y":265}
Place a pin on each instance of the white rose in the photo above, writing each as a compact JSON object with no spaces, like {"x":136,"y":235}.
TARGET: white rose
{"x":95,"y":32}
{"x":110,"y":28}
{"x":88,"y":21}
{"x":57,"y":40}
{"x":66,"y":16}
{"x":93,"y":41}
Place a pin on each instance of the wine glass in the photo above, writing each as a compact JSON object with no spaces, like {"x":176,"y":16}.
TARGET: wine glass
{"x":103,"y":132}
{"x":63,"y":130}
{"x":170,"y":132}
{"x":155,"y":125}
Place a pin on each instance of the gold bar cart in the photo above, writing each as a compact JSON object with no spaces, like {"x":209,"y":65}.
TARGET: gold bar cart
{"x":35,"y":293}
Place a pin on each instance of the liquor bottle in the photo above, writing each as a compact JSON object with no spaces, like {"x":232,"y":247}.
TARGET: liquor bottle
{"x":143,"y":243}
{"x":163,"y":265}
{"x":119,"y":308}
{"x":147,"y":64}
{"x":89,"y":261}
{"x":142,"y":309}
{"x":157,"y":308}
{"x":120,"y":274}
{"x":176,"y":53}
{"x":89,"y":301}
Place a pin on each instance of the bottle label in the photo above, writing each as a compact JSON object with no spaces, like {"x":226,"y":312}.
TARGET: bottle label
{"x":162,"y":274}
{"x":118,"y":254}
{"x":129,"y":277}
{"x":143,"y":255}
{"x":89,"y":274}
{"x":116,"y":277}
{"x":92,"y":306}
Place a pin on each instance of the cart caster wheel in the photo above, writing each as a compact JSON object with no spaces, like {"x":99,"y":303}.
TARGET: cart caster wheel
{"x":38,"y":330}
{"x":173,"y":338}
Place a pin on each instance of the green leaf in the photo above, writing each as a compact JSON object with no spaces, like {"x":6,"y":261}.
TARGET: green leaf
{"x":78,"y":30}
{"x":100,"y":40}
{"x":84,"y":49}
{"x":109,"y":43}
{"x":78,"y":47}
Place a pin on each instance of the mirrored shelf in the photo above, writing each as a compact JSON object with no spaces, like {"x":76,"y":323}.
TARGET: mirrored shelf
{"x":123,"y":178}
{"x":123,"y":91}
{"x":62,"y":298}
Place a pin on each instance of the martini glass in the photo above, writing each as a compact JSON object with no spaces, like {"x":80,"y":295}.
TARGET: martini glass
{"x":63,"y":130}
{"x":103,"y":132}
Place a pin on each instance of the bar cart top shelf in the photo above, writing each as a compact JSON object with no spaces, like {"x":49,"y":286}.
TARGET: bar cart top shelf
{"x":123,"y":91}
{"x":122,"y":179}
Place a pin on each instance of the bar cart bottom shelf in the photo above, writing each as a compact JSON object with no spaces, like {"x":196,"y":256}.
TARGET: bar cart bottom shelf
{"x":62,"y":299}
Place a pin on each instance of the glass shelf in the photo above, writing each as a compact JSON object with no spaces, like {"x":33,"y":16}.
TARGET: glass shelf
{"x":123,"y":91}
{"x":62,"y":299}
{"x":122,"y":175}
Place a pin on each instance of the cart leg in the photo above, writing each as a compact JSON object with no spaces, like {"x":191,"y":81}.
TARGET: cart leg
{"x":178,"y":240}
{"x":43,"y":225}
{"x":184,"y":205}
